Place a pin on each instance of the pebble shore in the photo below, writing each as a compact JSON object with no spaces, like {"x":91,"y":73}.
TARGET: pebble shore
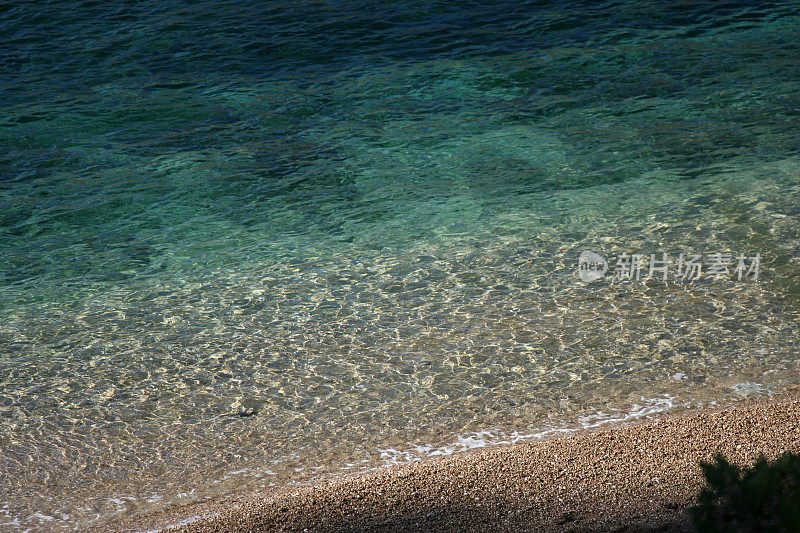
{"x":635,"y":478}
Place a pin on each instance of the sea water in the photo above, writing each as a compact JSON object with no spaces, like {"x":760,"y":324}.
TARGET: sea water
{"x":244,"y":244}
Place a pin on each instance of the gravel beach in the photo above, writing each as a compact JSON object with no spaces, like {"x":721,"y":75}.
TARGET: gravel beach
{"x":634,"y":478}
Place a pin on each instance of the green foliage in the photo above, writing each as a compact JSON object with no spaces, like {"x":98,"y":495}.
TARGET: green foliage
{"x":765,"y":497}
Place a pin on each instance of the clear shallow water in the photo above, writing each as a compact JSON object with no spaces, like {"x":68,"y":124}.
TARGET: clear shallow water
{"x":360,"y":225}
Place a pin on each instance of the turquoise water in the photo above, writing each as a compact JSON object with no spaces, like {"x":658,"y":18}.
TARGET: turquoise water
{"x":243,"y":246}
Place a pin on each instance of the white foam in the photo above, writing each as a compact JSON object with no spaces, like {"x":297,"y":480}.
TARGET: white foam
{"x":41,"y":517}
{"x":482,"y":439}
{"x":184,"y":522}
{"x":746,"y":388}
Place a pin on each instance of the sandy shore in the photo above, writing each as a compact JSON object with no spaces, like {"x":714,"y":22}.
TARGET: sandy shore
{"x":635,"y":478}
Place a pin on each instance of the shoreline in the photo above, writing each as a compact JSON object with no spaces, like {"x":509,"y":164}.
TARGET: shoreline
{"x":638,"y":476}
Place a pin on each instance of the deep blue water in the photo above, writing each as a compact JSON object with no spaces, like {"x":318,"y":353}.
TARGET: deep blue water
{"x":358,"y":224}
